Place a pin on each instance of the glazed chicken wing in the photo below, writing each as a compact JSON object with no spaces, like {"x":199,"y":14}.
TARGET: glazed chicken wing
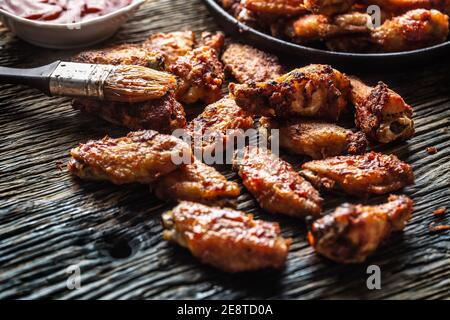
{"x":275,"y":7}
{"x":353,"y":232}
{"x":248,"y":64}
{"x":316,"y":139}
{"x":172,"y":45}
{"x":381,"y":113}
{"x":163,"y":115}
{"x":225,"y":238}
{"x":125,"y":54}
{"x":399,"y":6}
{"x":217,"y":124}
{"x":313,"y":27}
{"x":328,"y":7}
{"x":141,"y":156}
{"x":360,"y":175}
{"x":413,"y":30}
{"x":312,"y":91}
{"x":197,"y":182}
{"x":275,"y":184}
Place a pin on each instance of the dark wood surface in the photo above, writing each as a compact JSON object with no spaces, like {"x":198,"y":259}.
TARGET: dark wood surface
{"x":49,"y":220}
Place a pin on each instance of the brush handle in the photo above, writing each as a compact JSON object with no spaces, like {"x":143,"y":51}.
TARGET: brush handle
{"x":38,"y":78}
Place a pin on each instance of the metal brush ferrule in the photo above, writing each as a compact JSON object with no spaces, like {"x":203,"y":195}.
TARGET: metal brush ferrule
{"x":80,"y":79}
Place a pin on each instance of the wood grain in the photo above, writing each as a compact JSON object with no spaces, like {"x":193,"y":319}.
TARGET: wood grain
{"x":50,"y":220}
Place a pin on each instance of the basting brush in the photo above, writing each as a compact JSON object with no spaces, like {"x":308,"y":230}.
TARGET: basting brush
{"x":127,"y":83}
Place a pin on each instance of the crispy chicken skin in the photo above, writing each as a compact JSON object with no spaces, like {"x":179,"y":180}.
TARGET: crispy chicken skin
{"x":216,"y":124}
{"x":313,"y":27}
{"x":353,"y":232}
{"x":275,"y":7}
{"x":197,"y":182}
{"x":328,"y":7}
{"x":312,"y":91}
{"x":141,"y":156}
{"x":275,"y":184}
{"x":200,"y":75}
{"x":415,"y":29}
{"x":172,"y":45}
{"x":248,"y":64}
{"x":359,"y":175}
{"x":316,"y":139}
{"x":230,"y":240}
{"x":125,"y":54}
{"x":163,"y":115}
{"x":381,"y":113}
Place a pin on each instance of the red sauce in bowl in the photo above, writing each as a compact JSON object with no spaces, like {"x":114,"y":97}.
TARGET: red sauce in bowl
{"x":62,"y":11}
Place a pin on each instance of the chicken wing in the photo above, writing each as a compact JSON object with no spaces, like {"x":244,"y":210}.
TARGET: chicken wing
{"x":248,"y":64}
{"x":125,"y":54}
{"x":197,"y":182}
{"x":360,"y":175}
{"x":216,"y":124}
{"x":381,"y":113}
{"x":312,"y":91}
{"x":399,"y":6}
{"x":353,"y":232}
{"x":225,"y":238}
{"x":200,"y":75}
{"x":313,"y":27}
{"x":141,"y":156}
{"x":328,"y":7}
{"x":172,"y":45}
{"x":163,"y":115}
{"x":413,"y":30}
{"x":275,"y":184}
{"x":316,"y":139}
{"x":276,"y":7}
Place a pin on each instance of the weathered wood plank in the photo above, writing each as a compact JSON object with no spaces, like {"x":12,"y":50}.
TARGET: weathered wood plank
{"x":49,"y":220}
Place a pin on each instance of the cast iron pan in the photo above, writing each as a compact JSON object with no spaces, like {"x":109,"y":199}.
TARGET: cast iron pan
{"x":312,"y":55}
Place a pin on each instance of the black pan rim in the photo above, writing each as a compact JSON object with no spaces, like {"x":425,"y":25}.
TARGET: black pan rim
{"x":213,"y":5}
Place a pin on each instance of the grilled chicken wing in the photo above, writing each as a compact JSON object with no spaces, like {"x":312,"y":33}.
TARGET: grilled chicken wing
{"x":216,"y":124}
{"x":312,"y":27}
{"x":200,"y":75}
{"x":125,"y":54}
{"x":225,"y":238}
{"x":312,"y":91}
{"x":172,"y":45}
{"x":316,"y":139}
{"x":275,"y":184}
{"x":370,"y":173}
{"x":328,"y":7}
{"x":197,"y":182}
{"x":141,"y":156}
{"x":381,"y":113}
{"x":353,"y":232}
{"x":163,"y":115}
{"x":275,"y":7}
{"x":415,"y":29}
{"x":248,"y":64}
{"x":399,"y":6}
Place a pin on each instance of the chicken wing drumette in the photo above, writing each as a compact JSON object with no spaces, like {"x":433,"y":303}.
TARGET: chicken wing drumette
{"x":381,"y":113}
{"x":328,"y":7}
{"x":360,"y":175}
{"x":217,"y":124}
{"x":163,"y":115}
{"x":248,"y":64}
{"x":225,"y":238}
{"x":197,"y":182}
{"x":353,"y":232}
{"x":275,"y":184}
{"x":141,"y":156}
{"x":316,"y":139}
{"x":312,"y":91}
{"x":200,"y":72}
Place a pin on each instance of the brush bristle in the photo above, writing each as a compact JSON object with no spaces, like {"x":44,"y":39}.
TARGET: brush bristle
{"x":137,"y":84}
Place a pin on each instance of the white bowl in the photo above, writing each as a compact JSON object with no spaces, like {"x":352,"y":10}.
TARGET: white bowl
{"x":72,"y":35}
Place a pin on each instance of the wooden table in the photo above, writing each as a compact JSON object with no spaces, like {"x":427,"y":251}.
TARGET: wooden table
{"x":49,"y":220}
